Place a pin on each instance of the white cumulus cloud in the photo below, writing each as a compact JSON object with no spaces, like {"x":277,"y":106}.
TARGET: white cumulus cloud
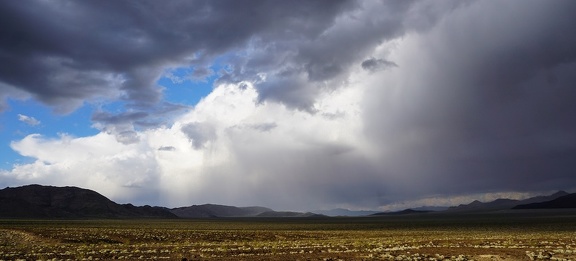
{"x":294,"y":160}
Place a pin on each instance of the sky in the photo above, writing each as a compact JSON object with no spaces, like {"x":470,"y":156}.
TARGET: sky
{"x":293,"y":105}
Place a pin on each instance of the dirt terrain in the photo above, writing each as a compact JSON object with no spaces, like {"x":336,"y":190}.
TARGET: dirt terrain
{"x":504,"y":237}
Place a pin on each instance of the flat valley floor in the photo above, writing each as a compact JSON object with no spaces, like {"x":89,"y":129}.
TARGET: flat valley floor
{"x":511,"y":235}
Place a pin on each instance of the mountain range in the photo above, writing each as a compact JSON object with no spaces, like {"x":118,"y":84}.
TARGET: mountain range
{"x":49,"y":202}
{"x":560,"y":199}
{"x":502,"y":204}
{"x":566,"y":201}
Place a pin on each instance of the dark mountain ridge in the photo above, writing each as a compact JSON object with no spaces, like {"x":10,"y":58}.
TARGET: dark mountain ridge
{"x":567,"y":201}
{"x":37,"y":201}
{"x":502,"y":204}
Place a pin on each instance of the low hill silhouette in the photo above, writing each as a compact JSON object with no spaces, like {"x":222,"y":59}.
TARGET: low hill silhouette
{"x":402,"y":212}
{"x":344,"y":212}
{"x":211,"y":210}
{"x":288,"y":214}
{"x":222,"y":211}
{"x":37,"y":201}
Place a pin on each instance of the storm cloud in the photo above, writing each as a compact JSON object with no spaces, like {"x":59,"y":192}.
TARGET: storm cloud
{"x":359,"y":104}
{"x":119,"y":49}
{"x":485,"y":105}
{"x":374,"y":64}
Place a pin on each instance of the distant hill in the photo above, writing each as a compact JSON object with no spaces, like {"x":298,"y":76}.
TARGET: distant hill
{"x":215,"y":211}
{"x":345,"y":212}
{"x":502,"y":204}
{"x":211,"y":210}
{"x":288,"y":214}
{"x":36,"y":201}
{"x":567,"y":201}
{"x":402,"y":212}
{"x":342,"y":212}
{"x":538,"y":199}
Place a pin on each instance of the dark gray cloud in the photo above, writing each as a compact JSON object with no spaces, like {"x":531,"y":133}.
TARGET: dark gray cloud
{"x":199,"y":133}
{"x":294,"y":69}
{"x":108,"y":118}
{"x":488,"y":106}
{"x":374,"y":64}
{"x":127,"y":136}
{"x":119,"y":49}
{"x":124,"y":124}
{"x":292,"y":90}
{"x":167,"y":148}
{"x":201,"y":73}
{"x":334,"y":116}
{"x":120,"y":125}
{"x":264,"y":127}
